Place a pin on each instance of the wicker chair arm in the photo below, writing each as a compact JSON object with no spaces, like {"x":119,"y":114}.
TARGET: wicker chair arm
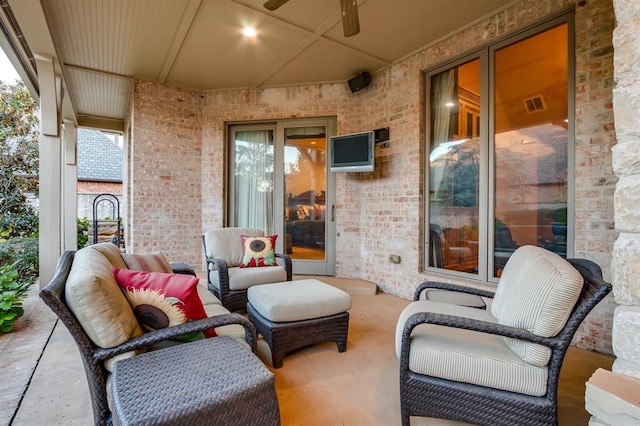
{"x":180,"y":330}
{"x":223,"y":272}
{"x":182,"y":268}
{"x":286,"y":259}
{"x":427,"y":285}
{"x":475,"y":325}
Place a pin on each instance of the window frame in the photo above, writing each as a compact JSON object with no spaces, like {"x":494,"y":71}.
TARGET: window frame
{"x":486,"y":55}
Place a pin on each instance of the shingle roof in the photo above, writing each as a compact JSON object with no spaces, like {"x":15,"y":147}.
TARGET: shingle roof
{"x":99,"y":158}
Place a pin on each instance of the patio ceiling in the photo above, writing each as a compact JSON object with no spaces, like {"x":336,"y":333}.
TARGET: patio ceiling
{"x":101,"y":46}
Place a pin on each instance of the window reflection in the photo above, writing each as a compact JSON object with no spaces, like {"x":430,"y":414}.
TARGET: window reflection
{"x":454,"y":168}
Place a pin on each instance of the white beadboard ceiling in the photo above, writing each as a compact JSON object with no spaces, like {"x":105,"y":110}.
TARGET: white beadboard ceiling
{"x":197,"y":44}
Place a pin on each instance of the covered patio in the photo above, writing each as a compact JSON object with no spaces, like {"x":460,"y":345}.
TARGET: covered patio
{"x":171,"y":77}
{"x":357,"y":387}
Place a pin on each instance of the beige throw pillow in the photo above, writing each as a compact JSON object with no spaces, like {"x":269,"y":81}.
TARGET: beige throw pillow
{"x":94,"y":297}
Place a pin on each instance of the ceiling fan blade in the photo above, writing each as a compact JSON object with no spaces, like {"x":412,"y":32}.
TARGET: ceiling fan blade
{"x":274,"y":4}
{"x":350,"y":21}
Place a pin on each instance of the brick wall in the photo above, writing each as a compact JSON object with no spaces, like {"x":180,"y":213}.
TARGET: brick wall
{"x":594,"y":178}
{"x":165,"y":174}
{"x":87,"y":192}
{"x":381,"y":212}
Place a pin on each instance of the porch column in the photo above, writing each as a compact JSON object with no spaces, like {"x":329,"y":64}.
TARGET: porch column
{"x":612,"y":396}
{"x":50,"y":145}
{"x":70,"y":186}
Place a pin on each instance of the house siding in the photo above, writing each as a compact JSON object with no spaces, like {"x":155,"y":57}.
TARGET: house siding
{"x":377,"y":213}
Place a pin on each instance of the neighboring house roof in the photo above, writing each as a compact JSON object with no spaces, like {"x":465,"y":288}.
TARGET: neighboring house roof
{"x":99,"y":158}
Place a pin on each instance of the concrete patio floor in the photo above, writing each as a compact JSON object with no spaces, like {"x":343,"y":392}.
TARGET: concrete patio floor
{"x":44,"y":383}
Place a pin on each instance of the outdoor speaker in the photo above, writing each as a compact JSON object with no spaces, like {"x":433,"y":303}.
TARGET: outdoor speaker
{"x":360,"y":81}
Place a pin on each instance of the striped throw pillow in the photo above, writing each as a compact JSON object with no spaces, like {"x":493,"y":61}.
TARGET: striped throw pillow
{"x":153,"y":262}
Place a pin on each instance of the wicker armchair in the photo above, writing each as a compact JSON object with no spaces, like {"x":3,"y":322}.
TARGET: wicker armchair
{"x":223,"y":252}
{"x":445,"y":337}
{"x":93,"y":356}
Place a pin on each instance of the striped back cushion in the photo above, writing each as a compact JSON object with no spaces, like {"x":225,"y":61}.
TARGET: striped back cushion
{"x":153,"y":262}
{"x":537,"y":292}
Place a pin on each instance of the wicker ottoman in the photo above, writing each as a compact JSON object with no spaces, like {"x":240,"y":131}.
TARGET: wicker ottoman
{"x":216,"y":382}
{"x":294,"y":314}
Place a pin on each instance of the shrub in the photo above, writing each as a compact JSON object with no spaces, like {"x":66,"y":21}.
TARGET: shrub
{"x":22,"y":255}
{"x":12,"y":293}
{"x":83,"y":232}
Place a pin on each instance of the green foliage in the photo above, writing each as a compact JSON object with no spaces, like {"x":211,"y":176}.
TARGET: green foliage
{"x":19,"y":122}
{"x":83,"y":232}
{"x":12,"y":293}
{"x":22,"y":254}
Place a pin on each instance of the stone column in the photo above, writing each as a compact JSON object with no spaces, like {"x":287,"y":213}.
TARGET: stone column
{"x":613,"y":397}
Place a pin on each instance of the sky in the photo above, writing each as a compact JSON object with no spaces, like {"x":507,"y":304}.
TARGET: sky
{"x":7,"y":73}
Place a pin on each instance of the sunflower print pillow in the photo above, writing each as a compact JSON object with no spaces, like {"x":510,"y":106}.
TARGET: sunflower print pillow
{"x":163,"y":300}
{"x":258,"y":251}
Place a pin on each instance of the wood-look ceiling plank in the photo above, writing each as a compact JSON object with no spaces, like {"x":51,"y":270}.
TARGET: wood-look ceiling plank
{"x":191,"y":9}
{"x":195,"y":44}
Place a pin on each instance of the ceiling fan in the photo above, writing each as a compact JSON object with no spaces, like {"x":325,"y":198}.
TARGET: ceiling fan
{"x":350,"y":21}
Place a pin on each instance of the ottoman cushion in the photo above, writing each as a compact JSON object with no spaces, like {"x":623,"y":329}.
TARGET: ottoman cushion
{"x":298,"y":300}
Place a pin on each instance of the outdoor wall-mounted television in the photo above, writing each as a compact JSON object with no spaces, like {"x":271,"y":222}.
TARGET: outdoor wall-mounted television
{"x":352,"y":153}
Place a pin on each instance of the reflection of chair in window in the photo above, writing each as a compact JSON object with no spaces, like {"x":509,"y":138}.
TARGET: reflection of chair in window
{"x":461,"y":252}
{"x":435,"y":247}
{"x":504,"y":246}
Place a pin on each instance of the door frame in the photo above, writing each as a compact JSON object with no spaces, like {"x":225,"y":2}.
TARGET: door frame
{"x":300,"y":267}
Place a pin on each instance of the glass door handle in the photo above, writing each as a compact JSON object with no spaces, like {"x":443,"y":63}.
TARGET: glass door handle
{"x":333,"y":213}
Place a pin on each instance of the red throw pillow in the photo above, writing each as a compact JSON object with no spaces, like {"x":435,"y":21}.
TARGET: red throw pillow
{"x":161,"y":300}
{"x":258,"y":251}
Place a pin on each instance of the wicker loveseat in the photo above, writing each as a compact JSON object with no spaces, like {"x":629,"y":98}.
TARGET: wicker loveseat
{"x":84,"y":294}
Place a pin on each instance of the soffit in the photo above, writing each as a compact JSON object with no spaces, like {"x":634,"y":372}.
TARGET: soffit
{"x":196,"y":44}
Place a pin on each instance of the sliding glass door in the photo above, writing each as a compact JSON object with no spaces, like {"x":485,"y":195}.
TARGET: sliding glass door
{"x":278,"y":182}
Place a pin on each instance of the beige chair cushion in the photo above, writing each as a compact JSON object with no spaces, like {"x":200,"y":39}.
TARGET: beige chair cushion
{"x":232,"y":330}
{"x":457,"y":298}
{"x":537,"y":292}
{"x":112,"y":253}
{"x":243,"y":278}
{"x":205,"y":295}
{"x":94,"y":297}
{"x":467,"y":356}
{"x":225,"y":243}
{"x":298,"y":300}
{"x":213,"y":307}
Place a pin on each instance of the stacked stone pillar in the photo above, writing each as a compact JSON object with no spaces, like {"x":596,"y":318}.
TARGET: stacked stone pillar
{"x":613,"y":397}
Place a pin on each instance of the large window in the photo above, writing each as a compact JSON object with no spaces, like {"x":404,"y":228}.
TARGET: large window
{"x":499,"y":147}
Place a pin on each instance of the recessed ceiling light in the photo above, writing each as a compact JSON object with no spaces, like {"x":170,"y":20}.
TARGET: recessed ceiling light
{"x":249,"y":32}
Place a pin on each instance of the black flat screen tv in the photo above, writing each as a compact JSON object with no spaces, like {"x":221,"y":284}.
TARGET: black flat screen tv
{"x":352,"y":153}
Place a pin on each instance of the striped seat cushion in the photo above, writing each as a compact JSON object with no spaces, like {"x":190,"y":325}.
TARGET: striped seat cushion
{"x":467,"y":356}
{"x":537,"y":292}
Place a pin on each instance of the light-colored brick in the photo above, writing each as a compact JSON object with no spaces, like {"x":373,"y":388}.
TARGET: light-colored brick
{"x":179,"y":147}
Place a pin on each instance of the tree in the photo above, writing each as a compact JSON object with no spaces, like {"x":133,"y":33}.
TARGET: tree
{"x":19,"y":129}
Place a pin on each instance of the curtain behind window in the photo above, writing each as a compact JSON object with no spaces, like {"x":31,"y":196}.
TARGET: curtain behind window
{"x":254,"y":180}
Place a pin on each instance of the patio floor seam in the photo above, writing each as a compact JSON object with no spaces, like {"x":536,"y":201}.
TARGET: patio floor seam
{"x":21,"y":353}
